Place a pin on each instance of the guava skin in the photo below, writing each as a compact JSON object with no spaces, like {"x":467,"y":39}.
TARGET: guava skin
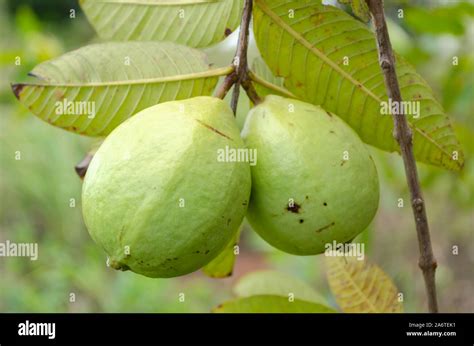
{"x":301,"y":159}
{"x":137,"y":182}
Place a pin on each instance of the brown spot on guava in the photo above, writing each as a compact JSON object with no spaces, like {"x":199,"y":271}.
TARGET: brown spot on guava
{"x":295,"y":208}
{"x":325,"y":227}
{"x":227,"y":32}
{"x":301,"y":220}
{"x":325,"y":204}
{"x":213,"y":129}
{"x":119,"y":266}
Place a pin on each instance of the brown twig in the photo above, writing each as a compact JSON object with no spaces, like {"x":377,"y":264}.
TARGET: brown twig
{"x":240,"y":77}
{"x":403,"y":135}
{"x":240,"y":58}
{"x":226,"y":85}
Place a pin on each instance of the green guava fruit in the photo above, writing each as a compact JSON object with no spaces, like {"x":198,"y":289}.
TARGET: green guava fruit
{"x":155,"y":196}
{"x":314,"y":181}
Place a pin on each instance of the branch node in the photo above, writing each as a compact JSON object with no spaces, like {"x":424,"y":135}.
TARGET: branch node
{"x":427,"y":265}
{"x":385,"y":64}
{"x":418,"y":204}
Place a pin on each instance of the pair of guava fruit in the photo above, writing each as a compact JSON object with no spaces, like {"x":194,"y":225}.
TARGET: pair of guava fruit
{"x":160,"y":202}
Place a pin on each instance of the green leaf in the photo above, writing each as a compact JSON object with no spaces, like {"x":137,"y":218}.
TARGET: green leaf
{"x":195,"y":23}
{"x":265,"y":82}
{"x":361,"y":287}
{"x":275,"y":283}
{"x":270,"y":304}
{"x":308,"y":50}
{"x":114,"y":81}
{"x":223,"y":265}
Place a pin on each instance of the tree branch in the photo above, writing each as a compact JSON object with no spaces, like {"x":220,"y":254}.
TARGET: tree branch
{"x":403,"y":135}
{"x":226,"y":85}
{"x":240,"y":58}
{"x":240,"y":77}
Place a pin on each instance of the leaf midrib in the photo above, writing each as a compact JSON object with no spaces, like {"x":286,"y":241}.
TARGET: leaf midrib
{"x":176,"y":78}
{"x":154,"y":3}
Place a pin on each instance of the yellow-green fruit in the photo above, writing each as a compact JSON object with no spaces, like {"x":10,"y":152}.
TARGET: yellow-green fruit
{"x":314,"y":181}
{"x":155,"y":196}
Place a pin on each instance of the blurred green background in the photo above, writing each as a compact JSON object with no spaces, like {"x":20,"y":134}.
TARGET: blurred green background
{"x":40,"y":194}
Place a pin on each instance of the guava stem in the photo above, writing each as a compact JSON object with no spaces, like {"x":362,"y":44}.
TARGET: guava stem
{"x":117,"y":265}
{"x":403,"y":135}
{"x":240,"y":76}
{"x":81,"y":167}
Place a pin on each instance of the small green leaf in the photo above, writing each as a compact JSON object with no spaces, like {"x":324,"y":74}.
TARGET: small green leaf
{"x":95,"y":88}
{"x":361,"y":10}
{"x":270,"y":282}
{"x":270,"y":304}
{"x":195,"y":23}
{"x":223,"y":265}
{"x":328,"y":58}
